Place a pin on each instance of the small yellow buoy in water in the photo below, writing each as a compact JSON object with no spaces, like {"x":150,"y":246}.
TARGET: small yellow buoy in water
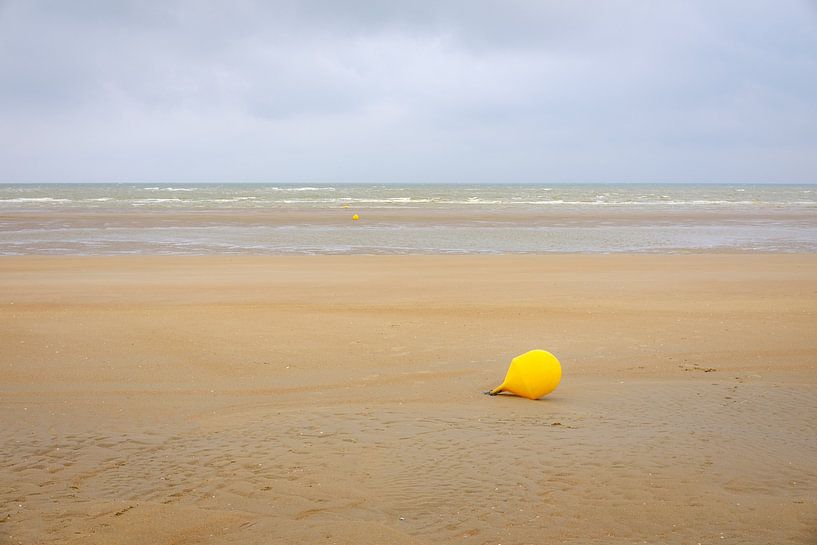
{"x":533,"y":374}
{"x":346,"y":206}
{"x":355,"y":217}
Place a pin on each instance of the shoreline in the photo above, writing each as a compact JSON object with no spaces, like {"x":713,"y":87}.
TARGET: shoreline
{"x":336,"y":214}
{"x":405,"y":232}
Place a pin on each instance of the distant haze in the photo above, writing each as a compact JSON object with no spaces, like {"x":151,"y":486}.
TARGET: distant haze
{"x":441,"y":91}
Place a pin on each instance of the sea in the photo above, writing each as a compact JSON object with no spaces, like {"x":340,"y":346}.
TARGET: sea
{"x":282,"y":219}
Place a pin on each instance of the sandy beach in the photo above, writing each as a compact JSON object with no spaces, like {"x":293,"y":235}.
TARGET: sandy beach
{"x":329,"y":399}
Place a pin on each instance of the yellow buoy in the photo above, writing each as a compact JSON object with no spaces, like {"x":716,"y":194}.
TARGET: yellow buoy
{"x":355,"y":217}
{"x":346,"y":206}
{"x":533,"y":374}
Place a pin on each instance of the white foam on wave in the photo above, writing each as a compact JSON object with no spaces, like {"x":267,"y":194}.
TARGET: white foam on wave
{"x":393,"y":200}
{"x":145,"y":202}
{"x":306,"y":188}
{"x":475,"y":200}
{"x":171,"y":189}
{"x":35,"y":199}
{"x":299,"y":201}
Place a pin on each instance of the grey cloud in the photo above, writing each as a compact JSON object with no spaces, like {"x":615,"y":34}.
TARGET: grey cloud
{"x":408,"y":91}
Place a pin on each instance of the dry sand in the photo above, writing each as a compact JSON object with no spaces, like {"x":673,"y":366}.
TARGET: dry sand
{"x":271,"y":400}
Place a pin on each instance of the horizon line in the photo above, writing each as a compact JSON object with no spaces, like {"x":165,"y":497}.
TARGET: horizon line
{"x":328,"y":183}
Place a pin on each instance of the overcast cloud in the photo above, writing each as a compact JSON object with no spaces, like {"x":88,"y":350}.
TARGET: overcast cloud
{"x":448,"y":91}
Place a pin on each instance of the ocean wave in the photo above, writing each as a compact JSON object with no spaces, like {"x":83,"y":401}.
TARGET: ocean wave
{"x":475,"y":200}
{"x":36,"y":199}
{"x":145,"y":202}
{"x":306,"y":188}
{"x":469,"y":202}
{"x":392,"y":200}
{"x":284,"y":195}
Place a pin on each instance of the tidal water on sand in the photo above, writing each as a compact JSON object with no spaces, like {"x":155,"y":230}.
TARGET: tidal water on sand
{"x":109,"y":219}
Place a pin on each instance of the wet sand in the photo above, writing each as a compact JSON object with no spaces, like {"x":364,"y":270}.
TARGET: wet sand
{"x":338,"y":400}
{"x":90,"y":218}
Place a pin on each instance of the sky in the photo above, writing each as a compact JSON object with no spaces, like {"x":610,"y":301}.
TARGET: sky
{"x":440,"y":91}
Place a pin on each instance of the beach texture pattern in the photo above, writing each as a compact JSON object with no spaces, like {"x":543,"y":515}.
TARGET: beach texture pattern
{"x":338,"y":400}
